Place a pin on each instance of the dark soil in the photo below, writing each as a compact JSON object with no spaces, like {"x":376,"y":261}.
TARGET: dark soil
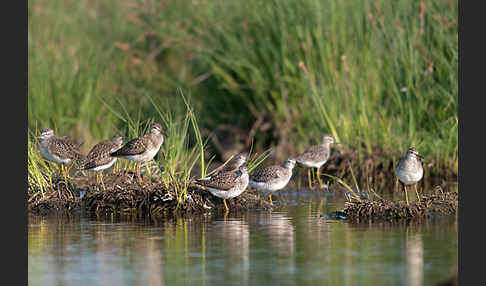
{"x":124,"y":194}
{"x":434,"y":205}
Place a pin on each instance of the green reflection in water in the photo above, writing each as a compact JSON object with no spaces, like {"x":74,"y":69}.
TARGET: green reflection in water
{"x":290,"y":245}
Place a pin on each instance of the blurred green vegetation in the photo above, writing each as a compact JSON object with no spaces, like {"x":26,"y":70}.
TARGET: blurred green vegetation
{"x":379,"y":74}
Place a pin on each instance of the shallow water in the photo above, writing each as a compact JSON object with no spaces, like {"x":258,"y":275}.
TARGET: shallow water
{"x":291,"y":245}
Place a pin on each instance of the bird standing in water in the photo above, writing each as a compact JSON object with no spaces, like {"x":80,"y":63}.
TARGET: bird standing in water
{"x":316,"y":156}
{"x":226,"y":185}
{"x":272,"y":178}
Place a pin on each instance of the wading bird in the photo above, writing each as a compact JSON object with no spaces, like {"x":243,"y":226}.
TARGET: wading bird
{"x":226,"y":185}
{"x":316,"y":156}
{"x":409,"y":170}
{"x":272,"y":178}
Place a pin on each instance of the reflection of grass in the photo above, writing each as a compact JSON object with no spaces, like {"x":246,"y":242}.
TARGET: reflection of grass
{"x":382,"y":72}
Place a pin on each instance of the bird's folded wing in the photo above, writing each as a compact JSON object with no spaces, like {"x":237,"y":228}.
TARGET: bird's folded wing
{"x":133,"y":147}
{"x":223,"y":181}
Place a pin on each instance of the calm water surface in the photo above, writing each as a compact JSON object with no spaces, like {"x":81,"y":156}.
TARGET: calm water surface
{"x":290,"y":245}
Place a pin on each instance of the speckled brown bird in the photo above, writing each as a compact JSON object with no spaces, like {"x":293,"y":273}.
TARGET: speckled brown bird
{"x":315,"y":156}
{"x":99,"y":157}
{"x":60,"y":150}
{"x":143,"y":148}
{"x":226,"y":185}
{"x":272,"y":178}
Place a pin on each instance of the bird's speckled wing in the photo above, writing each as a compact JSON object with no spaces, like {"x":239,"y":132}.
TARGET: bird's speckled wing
{"x":222,"y":181}
{"x":133,"y":147}
{"x":313,"y":153}
{"x":66,"y":149}
{"x":99,"y":155}
{"x":266,"y":174}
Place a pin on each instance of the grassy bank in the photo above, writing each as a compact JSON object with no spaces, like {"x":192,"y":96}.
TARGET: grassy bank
{"x":375,"y":74}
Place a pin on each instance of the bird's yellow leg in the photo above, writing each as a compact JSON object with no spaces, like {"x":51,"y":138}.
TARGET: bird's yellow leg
{"x":102,"y":183}
{"x":139,"y":167}
{"x":63,"y":170}
{"x":416,"y":192}
{"x":225,"y":205}
{"x":309,"y":177}
{"x":406,"y":195}
{"x":149,"y":166}
{"x":319,"y":177}
{"x":270,"y":197}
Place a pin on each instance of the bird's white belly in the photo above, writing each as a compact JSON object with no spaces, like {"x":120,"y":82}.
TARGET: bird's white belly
{"x":144,"y":157}
{"x":270,"y":186}
{"x":233,"y":192}
{"x":410,"y":178}
{"x":106,"y":166}
{"x":309,"y":164}
{"x":221,"y":194}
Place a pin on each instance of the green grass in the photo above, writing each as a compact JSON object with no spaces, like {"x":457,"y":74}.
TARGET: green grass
{"x":383,"y":73}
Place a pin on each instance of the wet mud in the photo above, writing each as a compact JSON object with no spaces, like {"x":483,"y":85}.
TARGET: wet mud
{"x":124,"y":193}
{"x":437,"y":204}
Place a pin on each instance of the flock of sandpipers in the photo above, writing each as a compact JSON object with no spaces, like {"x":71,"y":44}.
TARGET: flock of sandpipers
{"x":227,"y":181}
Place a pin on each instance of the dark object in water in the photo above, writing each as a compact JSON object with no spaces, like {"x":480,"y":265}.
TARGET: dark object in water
{"x":336,"y":215}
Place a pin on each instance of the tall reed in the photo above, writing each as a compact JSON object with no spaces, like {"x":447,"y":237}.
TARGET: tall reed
{"x":382,"y":73}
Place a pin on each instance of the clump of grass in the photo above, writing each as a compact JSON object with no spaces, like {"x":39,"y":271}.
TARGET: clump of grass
{"x":382,"y":73}
{"x":38,"y":171}
{"x":179,"y":153}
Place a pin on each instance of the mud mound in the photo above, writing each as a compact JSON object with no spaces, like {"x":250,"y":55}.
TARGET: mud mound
{"x":124,"y":194}
{"x":438,"y":204}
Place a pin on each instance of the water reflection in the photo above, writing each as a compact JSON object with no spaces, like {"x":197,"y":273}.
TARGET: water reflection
{"x":414,"y":258}
{"x":229,"y":239}
{"x":290,"y":245}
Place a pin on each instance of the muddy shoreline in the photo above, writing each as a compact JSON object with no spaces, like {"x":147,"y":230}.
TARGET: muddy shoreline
{"x":124,"y":194}
{"x":436,"y":205}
